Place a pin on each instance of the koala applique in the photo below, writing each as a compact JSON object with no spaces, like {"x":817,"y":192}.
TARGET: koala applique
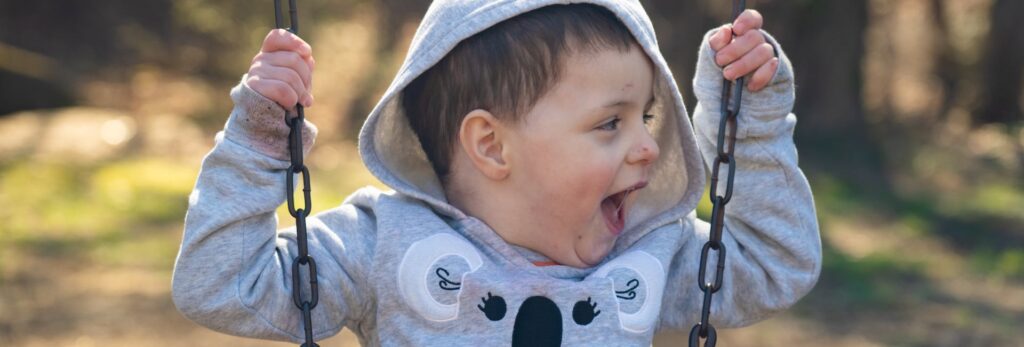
{"x":445,"y":279}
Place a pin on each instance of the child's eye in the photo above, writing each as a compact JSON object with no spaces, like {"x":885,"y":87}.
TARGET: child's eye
{"x":610,"y":125}
{"x":648,"y":118}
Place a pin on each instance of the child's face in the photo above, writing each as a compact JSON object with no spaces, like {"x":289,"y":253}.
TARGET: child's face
{"x":579,"y":149}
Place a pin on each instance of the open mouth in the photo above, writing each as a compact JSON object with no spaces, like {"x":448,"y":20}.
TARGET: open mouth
{"x":613,"y":208}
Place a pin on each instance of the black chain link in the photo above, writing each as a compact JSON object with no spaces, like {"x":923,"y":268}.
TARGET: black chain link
{"x":731,"y":95}
{"x":295,"y":125}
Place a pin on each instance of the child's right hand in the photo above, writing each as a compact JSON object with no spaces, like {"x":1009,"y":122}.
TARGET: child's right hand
{"x":283,"y":70}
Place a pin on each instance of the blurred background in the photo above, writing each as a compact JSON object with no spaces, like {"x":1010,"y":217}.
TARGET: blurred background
{"x":911,"y":133}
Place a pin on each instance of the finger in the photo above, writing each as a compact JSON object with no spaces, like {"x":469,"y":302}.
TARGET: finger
{"x":740,"y":46}
{"x":275,"y":90}
{"x":747,"y":21}
{"x":749,"y":62}
{"x":287,"y":76}
{"x":283,"y":40}
{"x":721,"y":37}
{"x":763,"y":75}
{"x":282,"y":74}
{"x":290,"y":60}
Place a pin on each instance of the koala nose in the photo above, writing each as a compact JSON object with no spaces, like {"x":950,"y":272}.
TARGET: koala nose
{"x":538,"y":324}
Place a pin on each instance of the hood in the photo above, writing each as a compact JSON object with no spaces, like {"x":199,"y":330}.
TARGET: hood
{"x":392,"y":152}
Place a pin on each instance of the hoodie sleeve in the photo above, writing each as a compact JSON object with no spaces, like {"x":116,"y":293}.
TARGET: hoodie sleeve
{"x":233,"y":272}
{"x":773,"y":249}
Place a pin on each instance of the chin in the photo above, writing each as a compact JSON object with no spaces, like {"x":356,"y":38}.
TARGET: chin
{"x":595,"y":254}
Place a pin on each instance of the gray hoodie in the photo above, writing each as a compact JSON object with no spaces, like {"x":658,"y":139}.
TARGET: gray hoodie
{"x":406,"y":268}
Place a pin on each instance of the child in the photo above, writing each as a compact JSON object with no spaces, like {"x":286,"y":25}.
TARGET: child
{"x":545,"y":176}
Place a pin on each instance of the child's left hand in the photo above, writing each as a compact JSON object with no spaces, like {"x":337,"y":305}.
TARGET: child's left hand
{"x":747,"y":53}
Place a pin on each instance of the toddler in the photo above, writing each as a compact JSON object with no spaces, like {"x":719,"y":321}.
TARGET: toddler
{"x":544,"y":174}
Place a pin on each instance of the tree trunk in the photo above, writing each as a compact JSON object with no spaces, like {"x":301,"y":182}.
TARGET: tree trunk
{"x":1004,"y":66}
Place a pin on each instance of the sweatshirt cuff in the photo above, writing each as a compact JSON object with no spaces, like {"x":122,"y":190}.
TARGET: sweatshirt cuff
{"x":257,"y":123}
{"x":763,"y":112}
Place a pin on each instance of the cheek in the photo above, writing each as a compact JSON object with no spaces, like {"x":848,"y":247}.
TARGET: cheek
{"x":573,"y":178}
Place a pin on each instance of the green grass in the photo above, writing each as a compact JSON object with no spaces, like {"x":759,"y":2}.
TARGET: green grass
{"x":64,"y":210}
{"x":58,"y":200}
{"x":145,"y":191}
{"x":1004,"y":265}
{"x":998,"y":199}
{"x":876,"y":280}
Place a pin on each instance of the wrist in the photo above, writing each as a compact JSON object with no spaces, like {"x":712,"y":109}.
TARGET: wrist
{"x":258,"y":123}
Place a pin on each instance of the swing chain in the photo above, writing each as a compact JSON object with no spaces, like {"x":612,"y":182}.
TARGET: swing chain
{"x":295,"y":125}
{"x":731,"y":95}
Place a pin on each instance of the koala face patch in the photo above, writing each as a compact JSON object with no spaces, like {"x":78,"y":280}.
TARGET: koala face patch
{"x":435,"y":272}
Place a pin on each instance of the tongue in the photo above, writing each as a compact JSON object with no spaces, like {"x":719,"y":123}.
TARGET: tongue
{"x":613,"y":215}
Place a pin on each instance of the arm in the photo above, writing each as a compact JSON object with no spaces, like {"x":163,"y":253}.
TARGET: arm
{"x":233,"y":271}
{"x":771,"y":234}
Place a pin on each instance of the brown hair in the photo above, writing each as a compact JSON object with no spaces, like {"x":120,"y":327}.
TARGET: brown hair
{"x":504,"y":69}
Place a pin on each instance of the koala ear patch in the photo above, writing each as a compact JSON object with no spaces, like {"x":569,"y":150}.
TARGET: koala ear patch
{"x":647,"y":286}
{"x":419,"y":268}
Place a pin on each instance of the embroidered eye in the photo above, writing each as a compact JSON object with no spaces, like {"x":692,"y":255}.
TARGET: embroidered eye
{"x":630,"y":292}
{"x":446,"y":283}
{"x":584,"y":312}
{"x":493,"y":307}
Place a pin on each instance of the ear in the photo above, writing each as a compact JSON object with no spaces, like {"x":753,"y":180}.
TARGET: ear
{"x":480,"y":138}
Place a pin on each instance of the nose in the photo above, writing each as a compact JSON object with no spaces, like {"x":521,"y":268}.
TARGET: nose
{"x":645,"y":150}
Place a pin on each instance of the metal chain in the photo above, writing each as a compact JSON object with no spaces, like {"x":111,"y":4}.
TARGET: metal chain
{"x":295,"y":125}
{"x":731,"y":95}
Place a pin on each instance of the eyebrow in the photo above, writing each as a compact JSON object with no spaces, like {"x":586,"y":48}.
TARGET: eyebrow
{"x":622,"y":102}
